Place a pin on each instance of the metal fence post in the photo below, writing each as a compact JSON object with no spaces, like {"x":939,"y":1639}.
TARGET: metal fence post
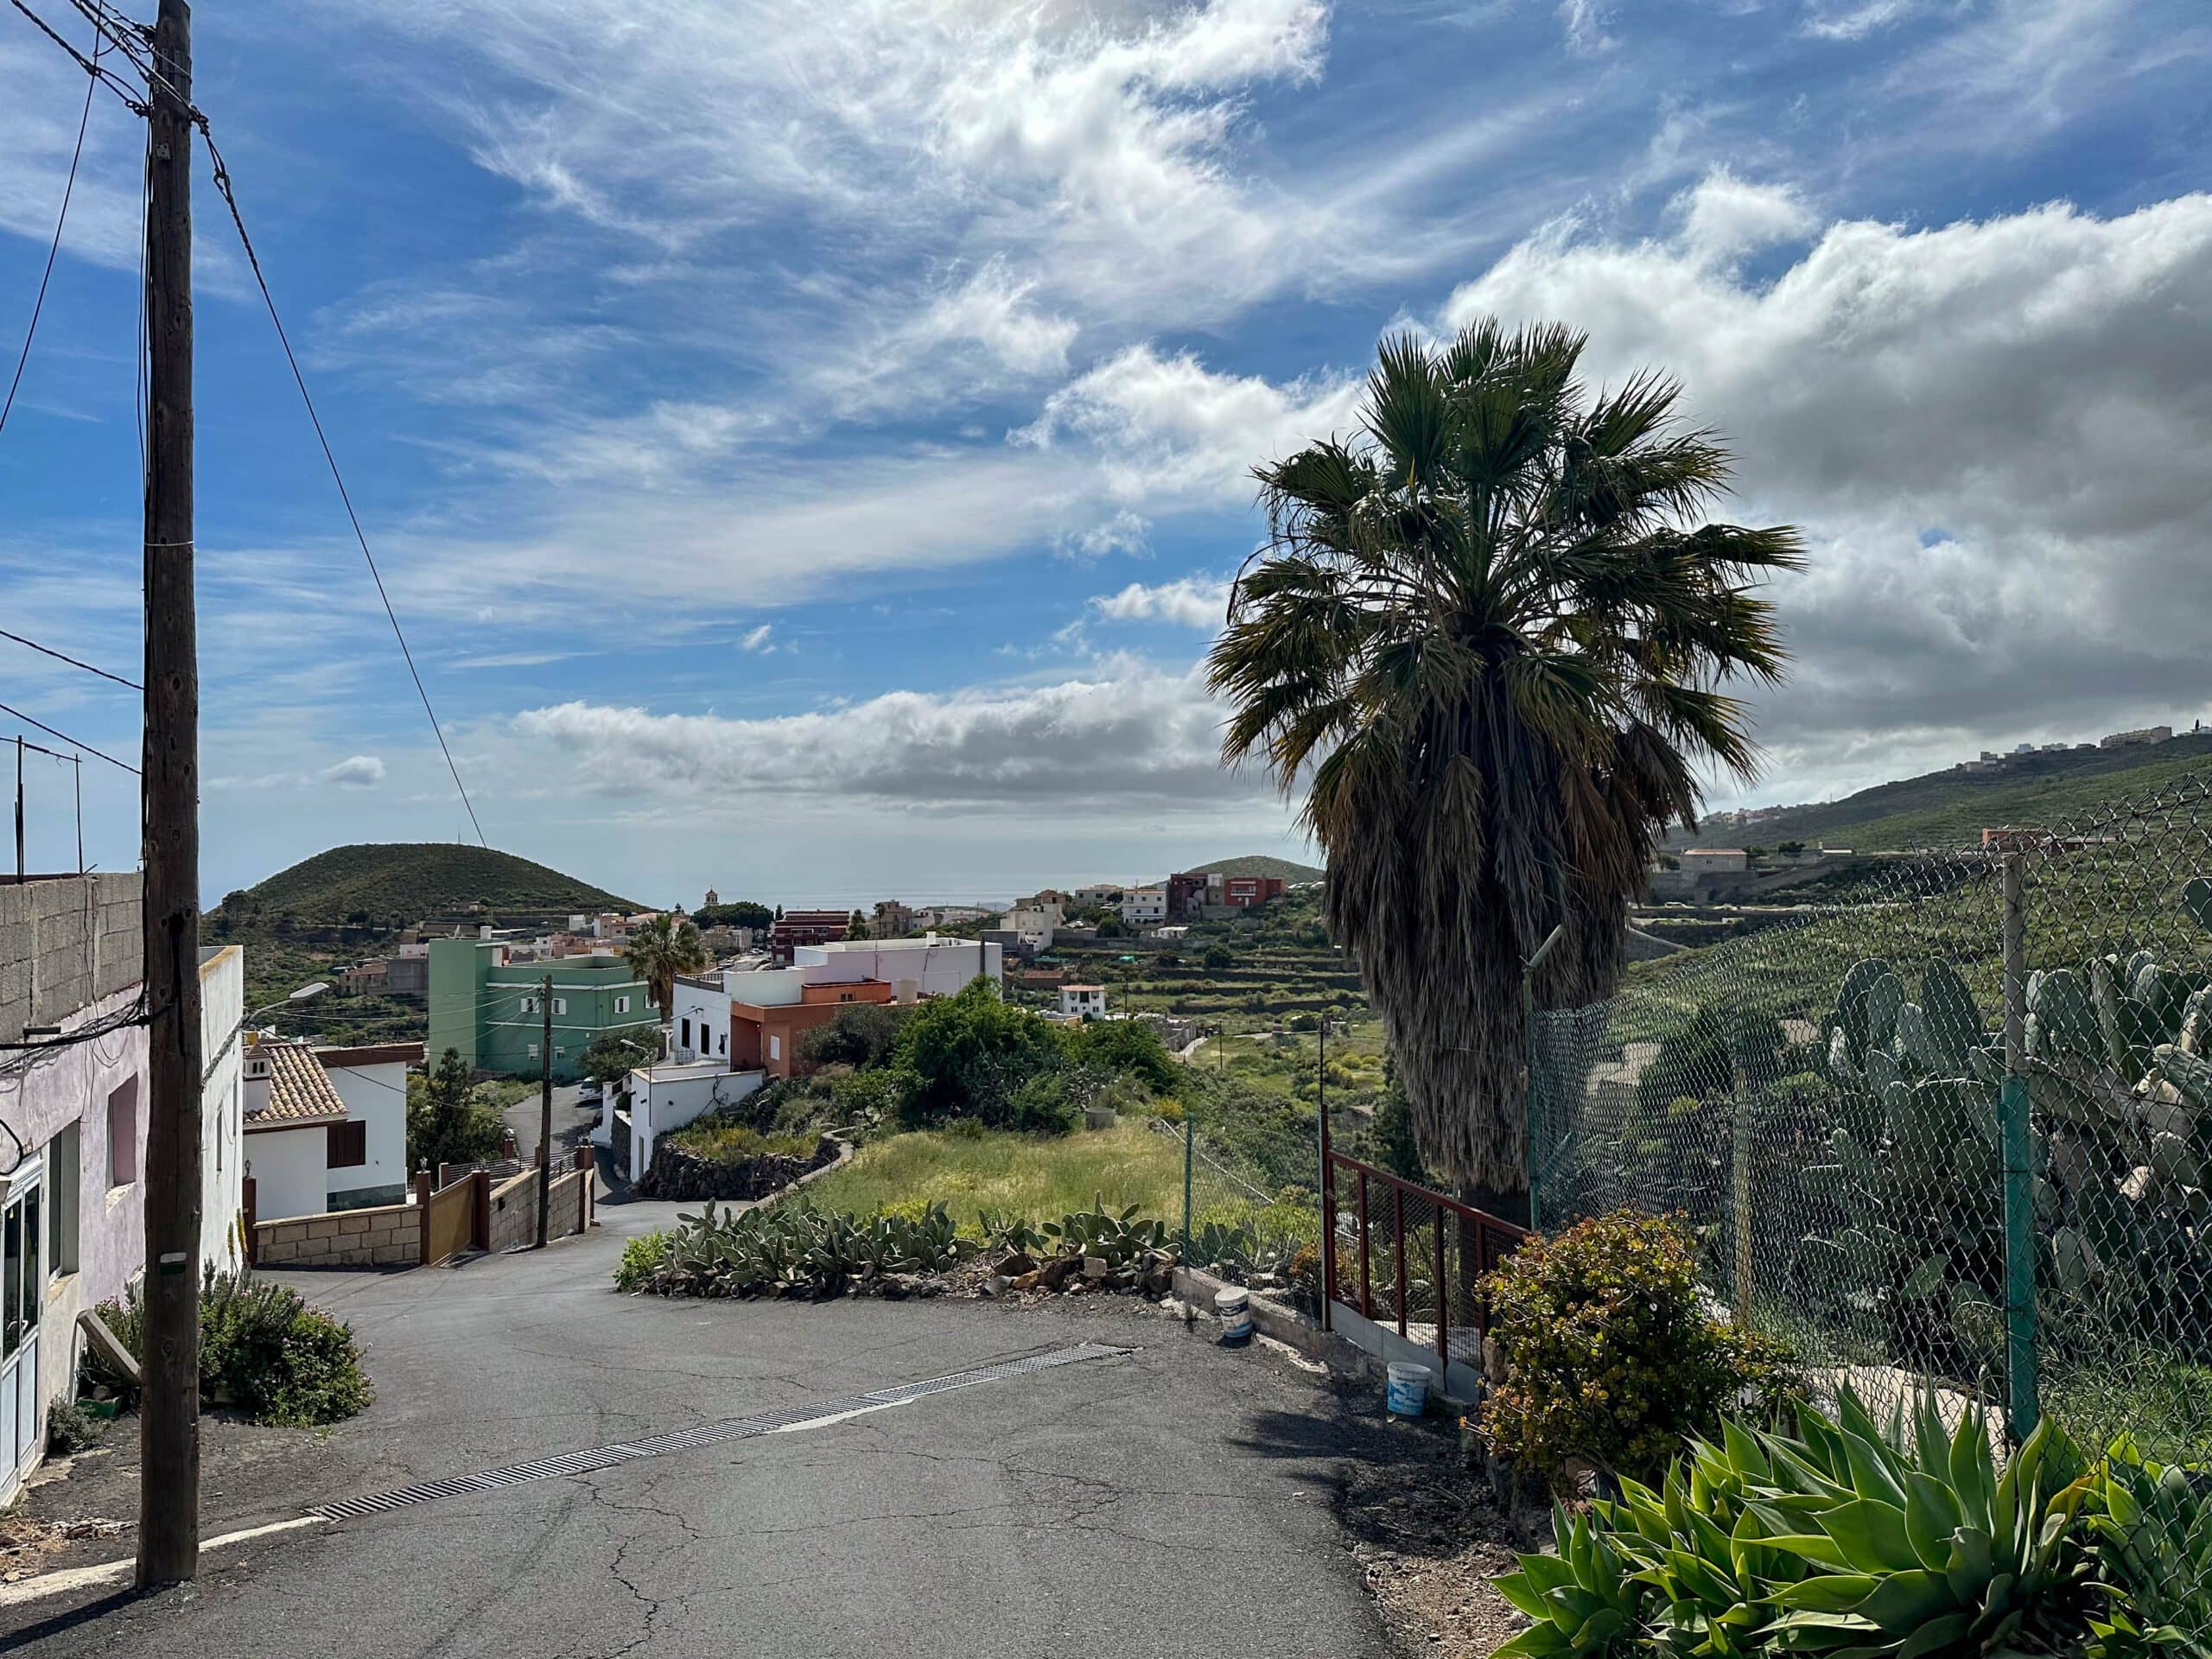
{"x":2020,"y":1170}
{"x":1190,"y":1129}
{"x":1740,"y":1187}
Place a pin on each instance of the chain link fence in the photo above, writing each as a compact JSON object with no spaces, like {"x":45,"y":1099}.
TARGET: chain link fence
{"x":1949,"y":1128}
{"x":1247,"y":1223}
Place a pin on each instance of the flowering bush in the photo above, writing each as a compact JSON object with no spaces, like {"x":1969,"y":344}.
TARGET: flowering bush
{"x":1608,"y":1355}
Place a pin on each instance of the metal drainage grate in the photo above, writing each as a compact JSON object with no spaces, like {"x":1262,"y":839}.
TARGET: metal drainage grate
{"x":605,"y":1457}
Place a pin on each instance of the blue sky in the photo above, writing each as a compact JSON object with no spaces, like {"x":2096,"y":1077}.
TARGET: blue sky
{"x":806,"y":444}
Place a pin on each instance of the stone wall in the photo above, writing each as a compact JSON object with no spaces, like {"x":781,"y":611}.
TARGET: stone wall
{"x":387,"y":1236}
{"x":514,"y":1210}
{"x":65,"y":942}
{"x":687,"y":1177}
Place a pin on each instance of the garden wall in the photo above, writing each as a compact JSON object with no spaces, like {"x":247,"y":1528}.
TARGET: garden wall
{"x":385,"y":1235}
{"x":685,"y":1177}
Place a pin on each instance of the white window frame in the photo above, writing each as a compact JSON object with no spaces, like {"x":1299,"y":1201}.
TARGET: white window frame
{"x":533,"y":1051}
{"x":621,"y":1005}
{"x":560,"y":1006}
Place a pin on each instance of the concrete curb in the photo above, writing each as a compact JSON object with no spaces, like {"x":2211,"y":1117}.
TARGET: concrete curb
{"x":1340,"y":1354}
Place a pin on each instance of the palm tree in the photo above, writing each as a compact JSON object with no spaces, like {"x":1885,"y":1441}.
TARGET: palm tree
{"x":1486,"y":642}
{"x":658,"y":951}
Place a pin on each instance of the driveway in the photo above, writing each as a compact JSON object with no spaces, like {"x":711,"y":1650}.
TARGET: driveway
{"x":1172,"y":1500}
{"x":573,"y":1118}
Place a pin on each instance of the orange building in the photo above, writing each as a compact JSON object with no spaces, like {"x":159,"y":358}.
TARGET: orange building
{"x":767,"y":1038}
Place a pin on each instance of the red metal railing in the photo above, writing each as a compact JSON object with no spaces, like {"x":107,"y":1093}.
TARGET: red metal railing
{"x":1438,"y":1250}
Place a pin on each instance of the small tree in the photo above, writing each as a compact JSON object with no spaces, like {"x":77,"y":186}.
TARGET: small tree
{"x":615,"y":1055}
{"x":445,"y":1122}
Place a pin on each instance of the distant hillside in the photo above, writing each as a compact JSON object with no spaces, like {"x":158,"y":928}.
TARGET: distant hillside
{"x":1262,"y":864}
{"x":1951,"y":808}
{"x":393,"y":883}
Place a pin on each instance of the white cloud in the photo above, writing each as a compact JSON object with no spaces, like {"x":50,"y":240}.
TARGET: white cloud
{"x":1128,"y":733}
{"x":1585,"y":23}
{"x":355,"y":771}
{"x":1724,"y":217}
{"x":756,"y":638}
{"x":1996,"y":434}
{"x":1192,"y":602}
{"x":1170,"y":426}
{"x":1120,"y":532}
{"x":1857,"y":19}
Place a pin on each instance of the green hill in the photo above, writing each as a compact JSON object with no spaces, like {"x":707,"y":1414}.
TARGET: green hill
{"x":393,"y":883}
{"x":1951,"y":808}
{"x":1262,"y":864}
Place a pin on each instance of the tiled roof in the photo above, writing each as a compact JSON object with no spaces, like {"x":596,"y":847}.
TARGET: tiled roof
{"x":300,"y":1090}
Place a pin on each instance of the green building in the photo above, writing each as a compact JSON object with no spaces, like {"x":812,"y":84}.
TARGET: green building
{"x":489,"y":1009}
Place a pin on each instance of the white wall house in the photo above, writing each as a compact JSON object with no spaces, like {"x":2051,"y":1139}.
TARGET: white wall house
{"x":654,"y":1100}
{"x":1099,"y":892}
{"x":326,"y":1134}
{"x":1144,"y":906}
{"x":699,"y":1018}
{"x":72,"y":1180}
{"x":1083,"y":1002}
{"x":912,"y":967}
{"x":1706,"y":860}
{"x":1036,"y":922}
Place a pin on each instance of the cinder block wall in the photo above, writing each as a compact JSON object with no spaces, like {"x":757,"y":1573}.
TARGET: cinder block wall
{"x":66,"y":941}
{"x":386,"y":1235}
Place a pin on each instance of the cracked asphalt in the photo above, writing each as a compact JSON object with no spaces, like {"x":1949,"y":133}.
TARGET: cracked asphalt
{"x":1175,"y":1501}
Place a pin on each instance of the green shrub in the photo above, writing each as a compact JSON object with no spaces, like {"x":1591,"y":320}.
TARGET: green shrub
{"x":1844,"y":1539}
{"x":640,"y":1256}
{"x":263,"y":1349}
{"x":1050,"y":1103}
{"x":727,"y":1142}
{"x":1609,"y":1356}
{"x":970,"y":1055}
{"x":70,"y":1427}
{"x":860,"y":1036}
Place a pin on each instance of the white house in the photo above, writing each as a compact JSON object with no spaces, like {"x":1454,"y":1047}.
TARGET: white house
{"x":1107,"y":893}
{"x":1036,"y":921}
{"x":326,"y":1128}
{"x":1706,"y":860}
{"x":72,"y":1192}
{"x":1083,"y":1002}
{"x":1144,"y":906}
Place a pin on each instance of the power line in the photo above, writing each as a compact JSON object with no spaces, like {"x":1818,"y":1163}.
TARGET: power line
{"x":107,"y":78}
{"x":19,"y":714}
{"x":223,"y":184}
{"x":52,"y":251}
{"x":65,"y":657}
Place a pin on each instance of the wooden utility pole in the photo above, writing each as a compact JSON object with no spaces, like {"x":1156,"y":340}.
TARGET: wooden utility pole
{"x":168,"y":1485}
{"x":546,"y":1115}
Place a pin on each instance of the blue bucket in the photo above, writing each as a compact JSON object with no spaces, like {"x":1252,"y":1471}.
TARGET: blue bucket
{"x":1406,"y":1394}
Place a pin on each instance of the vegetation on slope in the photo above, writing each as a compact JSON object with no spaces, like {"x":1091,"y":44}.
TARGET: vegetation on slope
{"x":391,"y":884}
{"x":1262,"y":864}
{"x":1950,"y":809}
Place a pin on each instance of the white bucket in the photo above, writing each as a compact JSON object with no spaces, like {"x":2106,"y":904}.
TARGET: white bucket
{"x":1406,"y":1394}
{"x":1234,"y":1305}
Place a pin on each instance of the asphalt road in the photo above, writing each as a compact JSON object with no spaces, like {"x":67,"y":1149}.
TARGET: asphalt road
{"x":572,"y":1119}
{"x":1174,"y":1501}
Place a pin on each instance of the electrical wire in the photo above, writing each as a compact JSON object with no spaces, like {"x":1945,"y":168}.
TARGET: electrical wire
{"x":253,"y":259}
{"x":65,"y":657}
{"x":53,"y":249}
{"x":122,"y":88}
{"x":19,"y":714}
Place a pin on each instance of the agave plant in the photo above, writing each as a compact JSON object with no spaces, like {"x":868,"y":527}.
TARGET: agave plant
{"x":1918,"y":1544}
{"x":1586,"y":1600}
{"x":1010,"y":1229}
{"x":1844,"y":1539}
{"x":2150,"y":1526}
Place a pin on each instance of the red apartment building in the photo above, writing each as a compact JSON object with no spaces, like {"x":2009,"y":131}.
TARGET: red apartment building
{"x":1188,"y":893}
{"x":797,"y":927}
